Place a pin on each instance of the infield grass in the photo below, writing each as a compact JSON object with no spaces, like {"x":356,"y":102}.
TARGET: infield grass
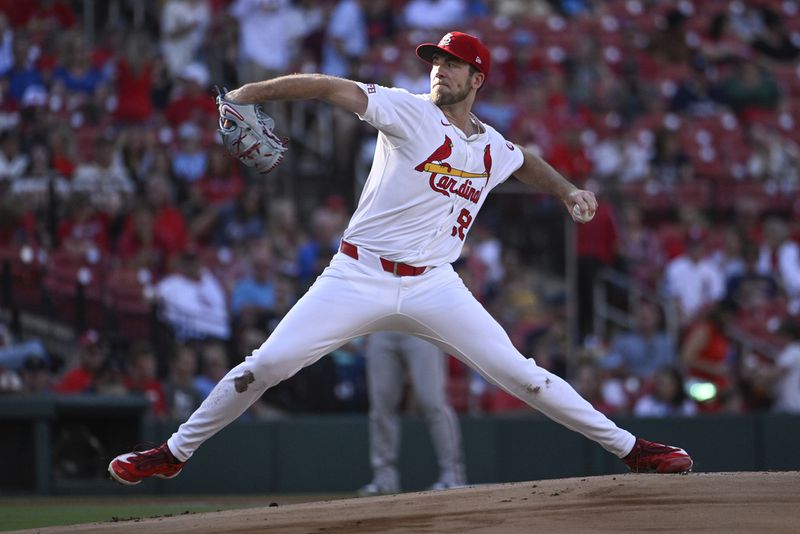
{"x":38,"y":512}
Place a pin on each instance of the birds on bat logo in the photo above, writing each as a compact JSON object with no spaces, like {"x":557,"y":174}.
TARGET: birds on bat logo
{"x":447,"y":180}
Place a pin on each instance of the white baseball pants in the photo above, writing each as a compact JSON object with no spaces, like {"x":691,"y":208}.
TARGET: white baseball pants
{"x":353,"y":298}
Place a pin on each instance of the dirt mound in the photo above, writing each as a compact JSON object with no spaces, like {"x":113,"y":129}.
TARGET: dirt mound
{"x":699,"y":502}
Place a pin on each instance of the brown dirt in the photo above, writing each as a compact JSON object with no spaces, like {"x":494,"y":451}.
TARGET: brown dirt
{"x":698,"y":502}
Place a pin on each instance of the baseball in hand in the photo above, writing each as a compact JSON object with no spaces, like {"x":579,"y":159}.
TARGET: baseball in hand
{"x":580,"y":216}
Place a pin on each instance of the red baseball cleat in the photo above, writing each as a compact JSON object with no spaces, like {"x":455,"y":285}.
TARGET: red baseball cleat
{"x":649,"y":457}
{"x":132,"y":467}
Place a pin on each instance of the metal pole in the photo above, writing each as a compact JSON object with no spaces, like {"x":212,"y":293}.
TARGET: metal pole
{"x":571,"y":264}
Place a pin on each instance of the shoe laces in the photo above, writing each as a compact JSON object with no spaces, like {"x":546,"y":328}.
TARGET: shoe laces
{"x":149,"y":454}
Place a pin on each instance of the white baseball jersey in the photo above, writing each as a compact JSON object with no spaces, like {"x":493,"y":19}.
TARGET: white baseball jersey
{"x":428,"y":179}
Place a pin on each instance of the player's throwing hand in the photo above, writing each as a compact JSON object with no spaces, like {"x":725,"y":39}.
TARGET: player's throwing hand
{"x":581,"y":205}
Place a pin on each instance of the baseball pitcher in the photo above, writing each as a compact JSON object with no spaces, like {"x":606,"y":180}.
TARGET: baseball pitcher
{"x":434,"y":165}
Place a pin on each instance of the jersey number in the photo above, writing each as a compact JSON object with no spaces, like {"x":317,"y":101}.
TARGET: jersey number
{"x":464,"y":220}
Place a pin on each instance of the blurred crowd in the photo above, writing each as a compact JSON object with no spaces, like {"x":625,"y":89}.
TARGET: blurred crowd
{"x":122,"y":216}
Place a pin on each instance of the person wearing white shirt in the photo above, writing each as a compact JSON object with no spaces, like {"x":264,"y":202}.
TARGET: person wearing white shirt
{"x":183,"y":27}
{"x":780,"y":256}
{"x":693,"y":280}
{"x":193,"y":300}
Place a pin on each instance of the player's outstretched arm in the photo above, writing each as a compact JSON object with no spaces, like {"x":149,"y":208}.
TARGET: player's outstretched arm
{"x":536,"y":172}
{"x":337,"y":91}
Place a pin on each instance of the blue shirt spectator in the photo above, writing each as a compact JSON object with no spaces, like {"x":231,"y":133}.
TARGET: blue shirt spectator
{"x":643,"y":352}
{"x":80,"y":82}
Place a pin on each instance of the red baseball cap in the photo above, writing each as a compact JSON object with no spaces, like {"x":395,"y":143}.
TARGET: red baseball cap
{"x":464,"y":46}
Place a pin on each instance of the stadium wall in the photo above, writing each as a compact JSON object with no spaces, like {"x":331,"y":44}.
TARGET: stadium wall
{"x":330,"y":453}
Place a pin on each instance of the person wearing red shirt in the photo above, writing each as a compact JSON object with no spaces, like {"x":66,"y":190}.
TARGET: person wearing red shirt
{"x":85,"y":230}
{"x":597,"y":244}
{"x":222,"y":183}
{"x":193,"y":102}
{"x":80,"y":379}
{"x":134,"y":83}
{"x":143,"y":380}
{"x":704,"y":353}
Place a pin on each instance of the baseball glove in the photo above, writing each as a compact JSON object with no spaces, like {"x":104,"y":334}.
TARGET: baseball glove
{"x":247,"y":134}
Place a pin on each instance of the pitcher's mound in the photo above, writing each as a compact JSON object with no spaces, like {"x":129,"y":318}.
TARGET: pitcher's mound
{"x":699,"y":502}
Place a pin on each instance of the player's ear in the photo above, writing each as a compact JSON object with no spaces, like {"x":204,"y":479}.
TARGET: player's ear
{"x":477,"y":80}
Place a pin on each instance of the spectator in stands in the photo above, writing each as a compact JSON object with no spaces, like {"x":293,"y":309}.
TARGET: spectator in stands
{"x":6,"y":45}
{"x":51,"y":16}
{"x":775,"y":42}
{"x":750,"y":285}
{"x":750,"y":90}
{"x":784,"y":373}
{"x":181,"y":394}
{"x":104,"y":177}
{"x":382,"y":22}
{"x":10,"y":382}
{"x":253,"y":297}
{"x":137,"y":151}
{"x":596,"y":247}
{"x":691,"y":280}
{"x":705,"y":353}
{"x":722,"y":43}
{"x":640,"y":247}
{"x":569,"y":156}
{"x":669,"y":165}
{"x":313,"y":256}
{"x":668,"y":45}
{"x":61,"y":142}
{"x":286,"y":294}
{"x":780,"y":255}
{"x":134,"y":80}
{"x":620,"y":157}
{"x":183,"y":29}
{"x":24,"y":73}
{"x":345,"y":38}
{"x":75,"y":69}
{"x":84,"y":232}
{"x":37,"y":379}
{"x":728,"y":255}
{"x":268,"y":35}
{"x":412,"y":76}
{"x":434,"y":14}
{"x":139,"y":245}
{"x":668,"y":397}
{"x":193,"y":300}
{"x":588,"y":383}
{"x":39,"y":166}
{"x":775,"y":159}
{"x":110,"y":379}
{"x":644,"y":350}
{"x":222,"y":185}
{"x":81,"y":378}
{"x":214,"y":365}
{"x":143,"y":380}
{"x":14,"y":353}
{"x":169,"y":224}
{"x":189,"y":161}
{"x":191,"y":100}
{"x":13,"y":161}
{"x":245,"y":220}
{"x":200,"y":214}
{"x":695,"y":95}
